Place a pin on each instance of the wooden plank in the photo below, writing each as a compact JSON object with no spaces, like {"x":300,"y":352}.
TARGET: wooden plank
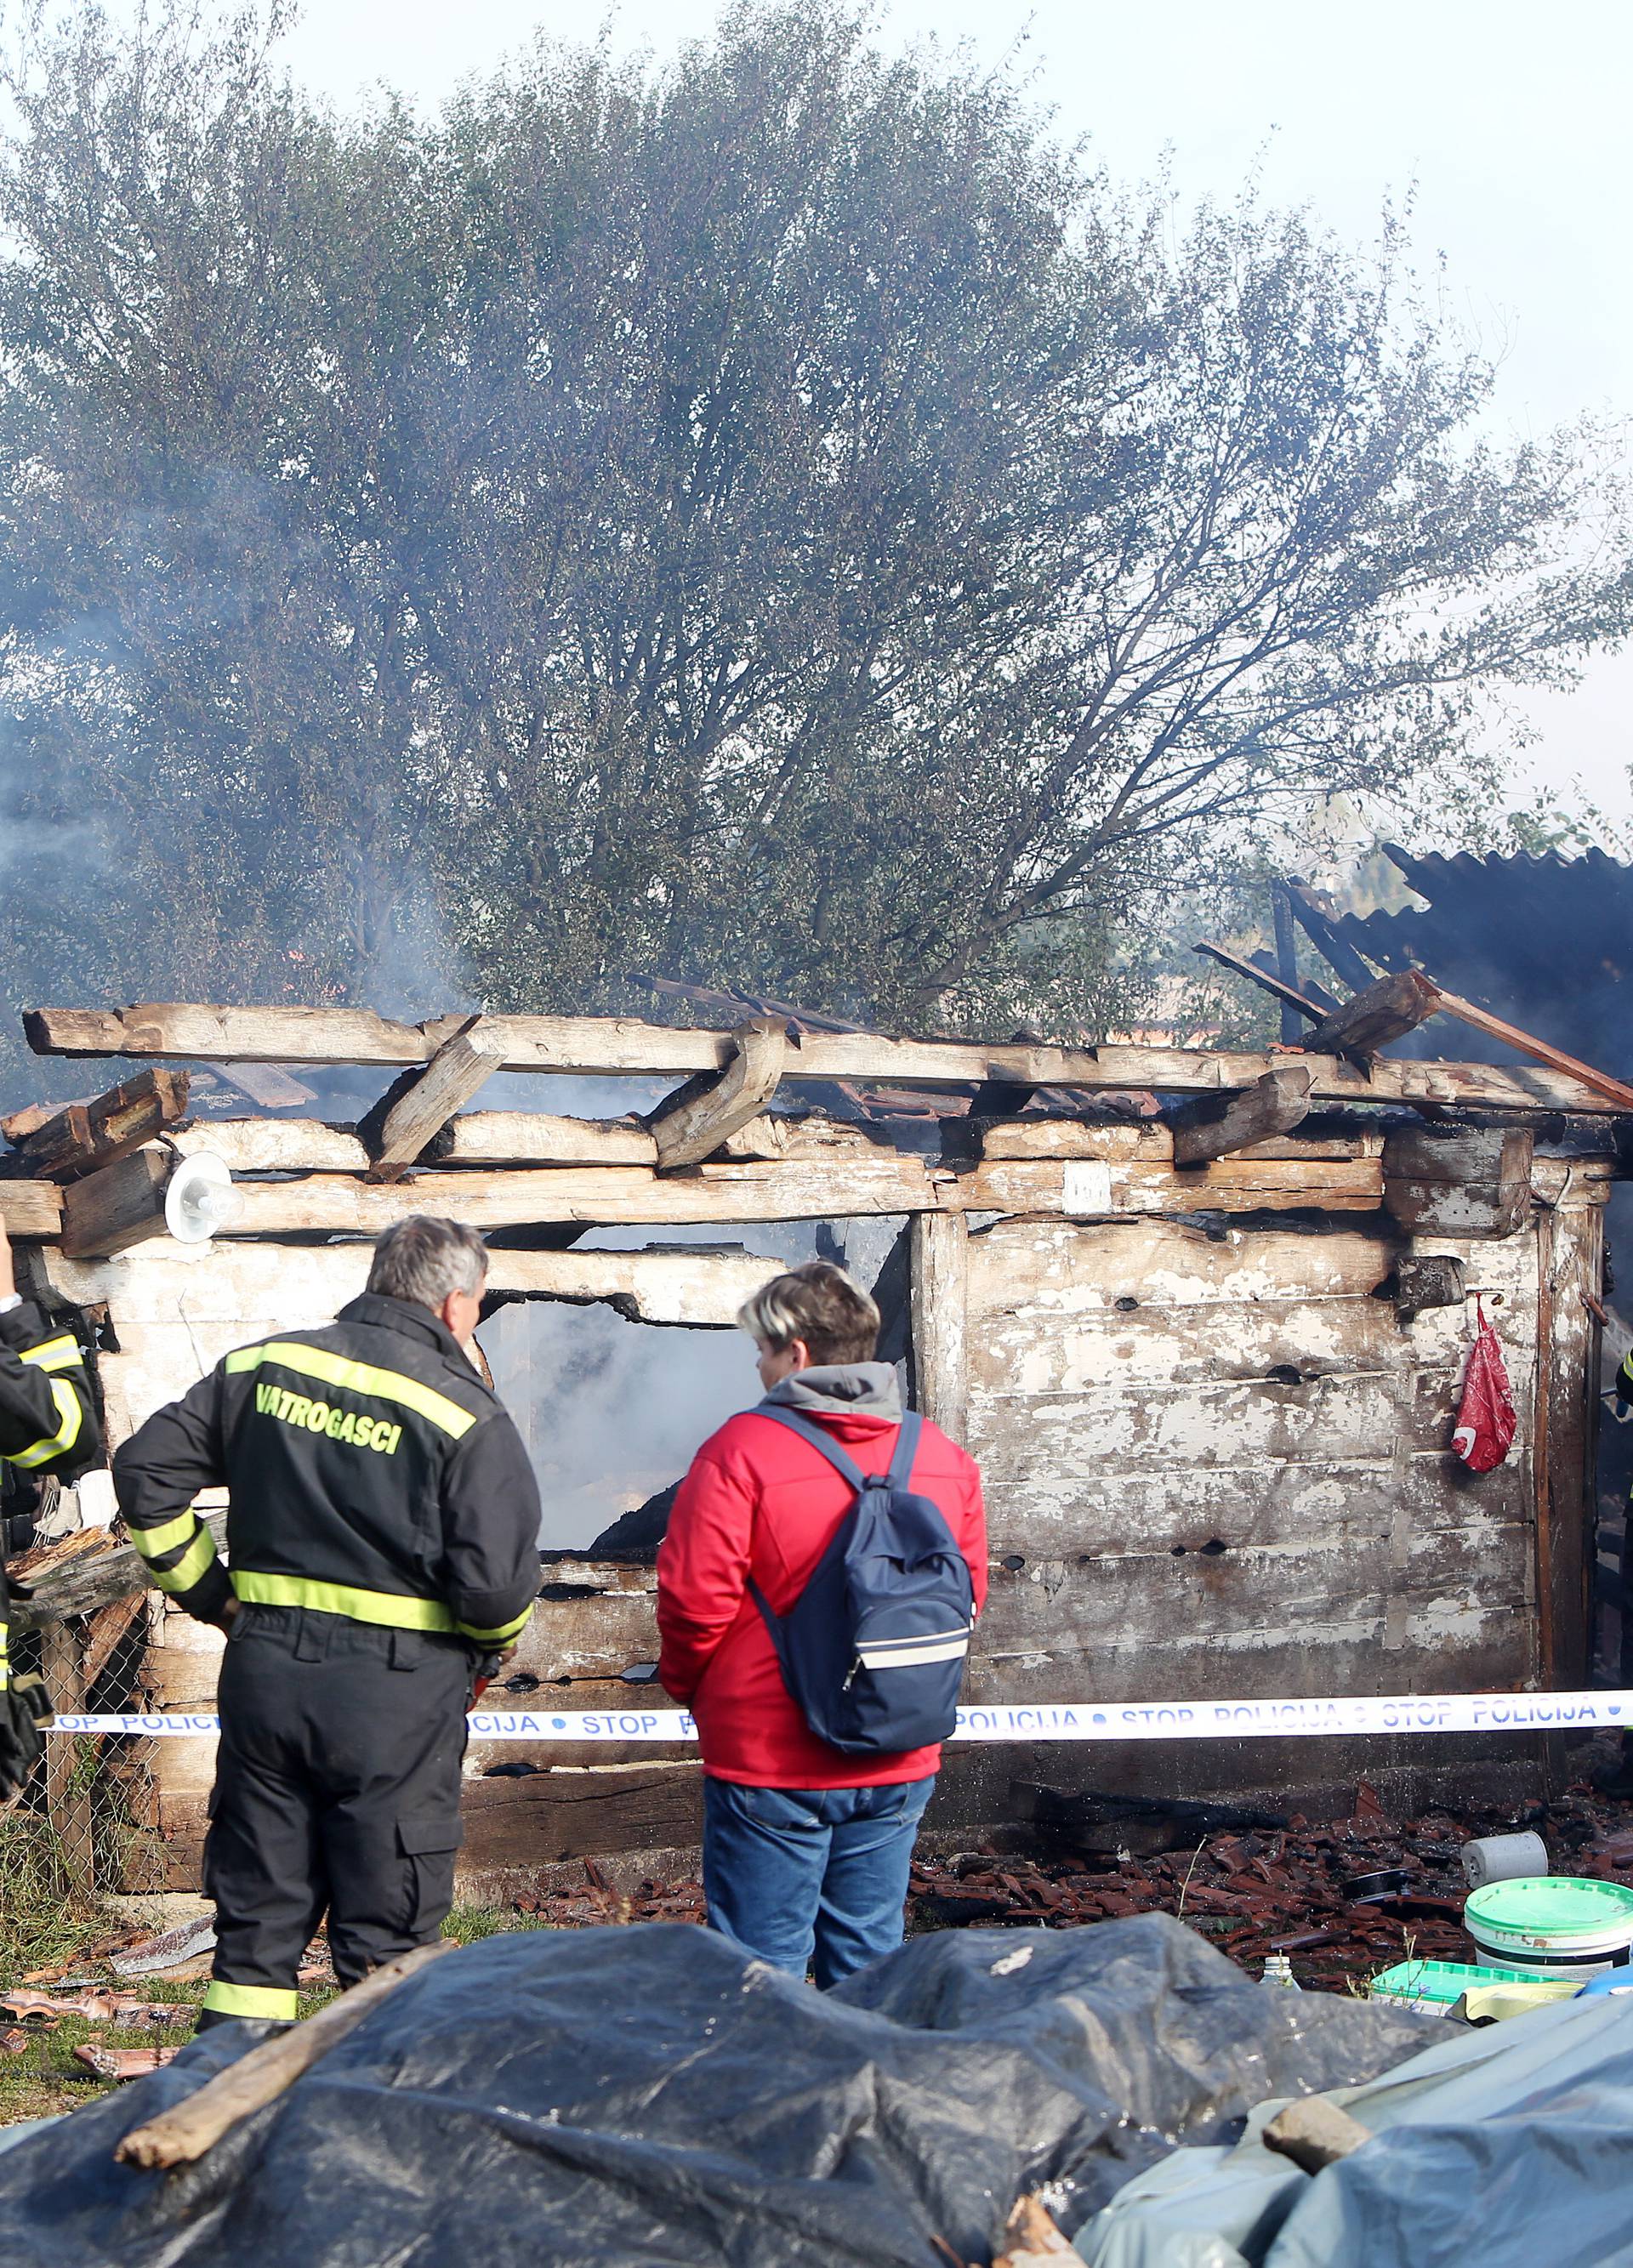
{"x":1102,"y":1430}
{"x":1481,"y":1020}
{"x":1312,"y":1002}
{"x":1386,"y":1011}
{"x":610,"y":1045}
{"x":31,"y":1209}
{"x":91,"y":1134}
{"x":1150,"y":1142}
{"x":1088,"y":1190}
{"x":690,"y":1126}
{"x":118,"y":1205}
{"x":940,"y":1269}
{"x":420,"y":1106}
{"x":1213,"y":1127}
{"x":1153,"y":1604}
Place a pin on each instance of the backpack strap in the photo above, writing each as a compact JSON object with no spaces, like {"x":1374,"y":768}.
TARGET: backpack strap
{"x":906,"y":1450}
{"x":816,"y":1435}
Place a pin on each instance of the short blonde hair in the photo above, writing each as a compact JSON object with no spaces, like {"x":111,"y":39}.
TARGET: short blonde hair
{"x":819,"y":1303}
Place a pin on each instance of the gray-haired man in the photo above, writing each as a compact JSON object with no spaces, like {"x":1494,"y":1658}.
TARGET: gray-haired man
{"x":383,"y":1535}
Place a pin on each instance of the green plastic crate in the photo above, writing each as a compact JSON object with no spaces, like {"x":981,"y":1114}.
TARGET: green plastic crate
{"x":1433,"y":1986}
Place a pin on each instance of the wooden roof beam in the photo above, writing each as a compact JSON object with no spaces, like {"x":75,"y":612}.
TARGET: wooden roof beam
{"x":690,"y":1124}
{"x":413,"y":1112}
{"x":606,"y":1045}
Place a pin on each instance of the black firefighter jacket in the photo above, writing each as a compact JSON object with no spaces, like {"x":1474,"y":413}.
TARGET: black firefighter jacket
{"x":48,"y":1420}
{"x":371,"y":1474}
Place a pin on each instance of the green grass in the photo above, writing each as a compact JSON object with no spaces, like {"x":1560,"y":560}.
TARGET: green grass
{"x":47,"y":1919}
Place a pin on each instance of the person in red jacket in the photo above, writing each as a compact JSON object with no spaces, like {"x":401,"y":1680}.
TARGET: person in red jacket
{"x":806,"y":1850}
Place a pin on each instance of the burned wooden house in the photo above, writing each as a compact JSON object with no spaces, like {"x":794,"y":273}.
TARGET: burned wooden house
{"x":1201,"y":1317}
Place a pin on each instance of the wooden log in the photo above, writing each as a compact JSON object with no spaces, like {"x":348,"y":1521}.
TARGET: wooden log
{"x":182,"y":2134}
{"x":65,"y":1584}
{"x":421,"y":1105}
{"x":692,"y":1124}
{"x":1386,"y":1011}
{"x":274,"y":1146}
{"x":533,"y":1137}
{"x":1314,"y":2133}
{"x":1474,"y":1183}
{"x":1481,"y":1020}
{"x":1212,"y":1128}
{"x":87,"y":1135}
{"x":333,"y":1203}
{"x":118,"y":1205}
{"x":939,"y":1276}
{"x":797,"y":1140}
{"x":238,"y":1289}
{"x":31,"y":1209}
{"x":611,"y":1045}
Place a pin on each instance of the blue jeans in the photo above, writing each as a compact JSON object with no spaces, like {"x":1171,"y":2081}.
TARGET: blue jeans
{"x":791,"y":1871}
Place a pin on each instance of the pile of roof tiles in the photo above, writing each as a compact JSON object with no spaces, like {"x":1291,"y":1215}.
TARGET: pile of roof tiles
{"x":1342,"y":1899}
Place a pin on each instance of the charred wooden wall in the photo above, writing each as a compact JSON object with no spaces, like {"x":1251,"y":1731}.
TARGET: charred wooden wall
{"x":1216,"y":1453}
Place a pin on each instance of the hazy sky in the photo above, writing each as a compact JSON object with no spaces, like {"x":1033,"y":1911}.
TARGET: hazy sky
{"x":1511,"y":120}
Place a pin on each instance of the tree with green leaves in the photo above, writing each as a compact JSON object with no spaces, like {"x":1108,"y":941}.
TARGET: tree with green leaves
{"x":775,"y":518}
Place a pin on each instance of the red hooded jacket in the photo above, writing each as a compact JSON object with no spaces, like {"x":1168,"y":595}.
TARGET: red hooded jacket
{"x":759,"y":1501}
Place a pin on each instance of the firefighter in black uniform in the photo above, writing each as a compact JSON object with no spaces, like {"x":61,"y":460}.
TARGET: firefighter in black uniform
{"x":383,"y":1538}
{"x":47,"y":1424}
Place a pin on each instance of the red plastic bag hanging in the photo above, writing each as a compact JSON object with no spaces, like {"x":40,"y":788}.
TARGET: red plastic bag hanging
{"x":1485,"y":1416}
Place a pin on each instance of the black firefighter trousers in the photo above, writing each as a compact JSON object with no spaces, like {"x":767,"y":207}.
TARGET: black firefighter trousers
{"x":337,"y":1790}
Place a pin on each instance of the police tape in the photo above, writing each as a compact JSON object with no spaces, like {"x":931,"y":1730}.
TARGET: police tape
{"x":1372,"y":1715}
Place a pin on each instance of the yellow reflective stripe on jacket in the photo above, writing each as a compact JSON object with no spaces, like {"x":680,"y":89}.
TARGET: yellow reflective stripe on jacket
{"x":61,"y":1353}
{"x":391,"y":1609}
{"x":153,"y":1543}
{"x":72,"y":1415}
{"x":189,"y":1566}
{"x":270,"y":2002}
{"x":503,"y":1635}
{"x":361,"y":1377}
{"x":5,"y":1656}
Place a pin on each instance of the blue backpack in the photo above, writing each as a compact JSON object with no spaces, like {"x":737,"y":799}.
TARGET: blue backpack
{"x":873,"y":1649}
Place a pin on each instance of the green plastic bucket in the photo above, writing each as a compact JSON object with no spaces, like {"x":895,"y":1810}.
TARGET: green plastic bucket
{"x":1552,"y":1923}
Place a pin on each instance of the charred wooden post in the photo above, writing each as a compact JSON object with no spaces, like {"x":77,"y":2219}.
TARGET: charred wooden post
{"x":1286,"y":959}
{"x":693,"y":1122}
{"x":1214,"y":1126}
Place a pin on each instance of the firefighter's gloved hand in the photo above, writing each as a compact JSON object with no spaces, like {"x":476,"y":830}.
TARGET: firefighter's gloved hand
{"x":26,"y":1713}
{"x":486,"y":1669}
